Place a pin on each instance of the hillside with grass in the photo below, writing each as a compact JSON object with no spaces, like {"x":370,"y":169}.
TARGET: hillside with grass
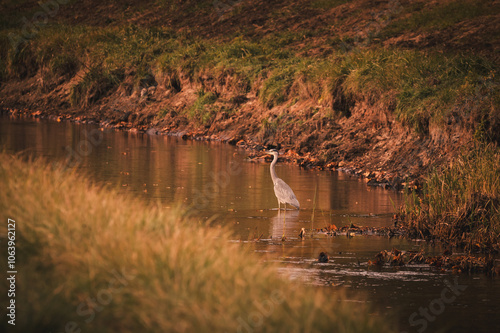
{"x":385,"y":89}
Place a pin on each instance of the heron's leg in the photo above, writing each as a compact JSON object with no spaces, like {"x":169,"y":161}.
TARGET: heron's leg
{"x":283,"y":238}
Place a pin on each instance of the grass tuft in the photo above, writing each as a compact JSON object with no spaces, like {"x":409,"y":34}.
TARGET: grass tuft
{"x":202,"y":110}
{"x":96,"y":83}
{"x":460,"y":203}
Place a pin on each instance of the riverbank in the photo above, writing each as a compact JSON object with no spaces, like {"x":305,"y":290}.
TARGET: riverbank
{"x":372,"y":96}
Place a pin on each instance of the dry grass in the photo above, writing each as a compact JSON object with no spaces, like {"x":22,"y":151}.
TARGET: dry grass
{"x":460,"y":203}
{"x":174,"y":274}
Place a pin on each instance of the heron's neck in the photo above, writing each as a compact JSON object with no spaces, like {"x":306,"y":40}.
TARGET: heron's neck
{"x":273,"y":172}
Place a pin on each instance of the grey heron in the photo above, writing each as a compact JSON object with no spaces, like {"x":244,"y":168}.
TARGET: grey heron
{"x":283,"y":192}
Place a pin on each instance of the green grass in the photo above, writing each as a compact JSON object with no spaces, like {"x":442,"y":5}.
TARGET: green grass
{"x":96,"y":83}
{"x":175,"y":274}
{"x":269,"y":128}
{"x":202,"y":110}
{"x":276,"y":88}
{"x":428,"y":87}
{"x":460,"y":203}
{"x":162,"y":113}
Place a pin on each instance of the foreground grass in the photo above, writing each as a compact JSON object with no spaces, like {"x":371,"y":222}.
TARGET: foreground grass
{"x":460,"y":203}
{"x":90,"y":259}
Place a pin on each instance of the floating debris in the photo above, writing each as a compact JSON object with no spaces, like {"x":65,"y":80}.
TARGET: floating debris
{"x":458,"y":264}
{"x":352,"y":230}
{"x":323,"y":257}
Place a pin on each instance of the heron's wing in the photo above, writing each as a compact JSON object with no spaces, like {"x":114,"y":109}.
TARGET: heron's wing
{"x":285,"y":194}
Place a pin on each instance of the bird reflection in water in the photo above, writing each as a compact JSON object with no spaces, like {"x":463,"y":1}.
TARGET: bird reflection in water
{"x":289,"y":228}
{"x":283,"y":192}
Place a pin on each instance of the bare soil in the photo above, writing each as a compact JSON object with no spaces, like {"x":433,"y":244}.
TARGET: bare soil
{"x":370,"y":142}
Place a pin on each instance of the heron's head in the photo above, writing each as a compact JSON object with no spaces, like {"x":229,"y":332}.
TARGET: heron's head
{"x":273,"y":152}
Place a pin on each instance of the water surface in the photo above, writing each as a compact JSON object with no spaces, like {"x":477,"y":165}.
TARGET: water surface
{"x":217,"y":181}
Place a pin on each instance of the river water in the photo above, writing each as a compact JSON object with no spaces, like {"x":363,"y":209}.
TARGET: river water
{"x":218,"y":182}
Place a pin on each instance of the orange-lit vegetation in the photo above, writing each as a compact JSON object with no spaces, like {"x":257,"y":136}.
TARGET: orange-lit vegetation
{"x":460,"y":202}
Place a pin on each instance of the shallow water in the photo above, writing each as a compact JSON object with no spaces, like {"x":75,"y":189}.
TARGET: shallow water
{"x":217,"y":181}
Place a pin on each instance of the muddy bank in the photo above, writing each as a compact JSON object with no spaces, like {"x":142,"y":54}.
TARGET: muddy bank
{"x":366,"y":140}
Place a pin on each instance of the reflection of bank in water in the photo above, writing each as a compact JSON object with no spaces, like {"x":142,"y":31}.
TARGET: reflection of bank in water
{"x":292,"y":225}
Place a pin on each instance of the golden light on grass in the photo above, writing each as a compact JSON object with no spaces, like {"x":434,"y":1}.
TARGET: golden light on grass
{"x":460,"y":203}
